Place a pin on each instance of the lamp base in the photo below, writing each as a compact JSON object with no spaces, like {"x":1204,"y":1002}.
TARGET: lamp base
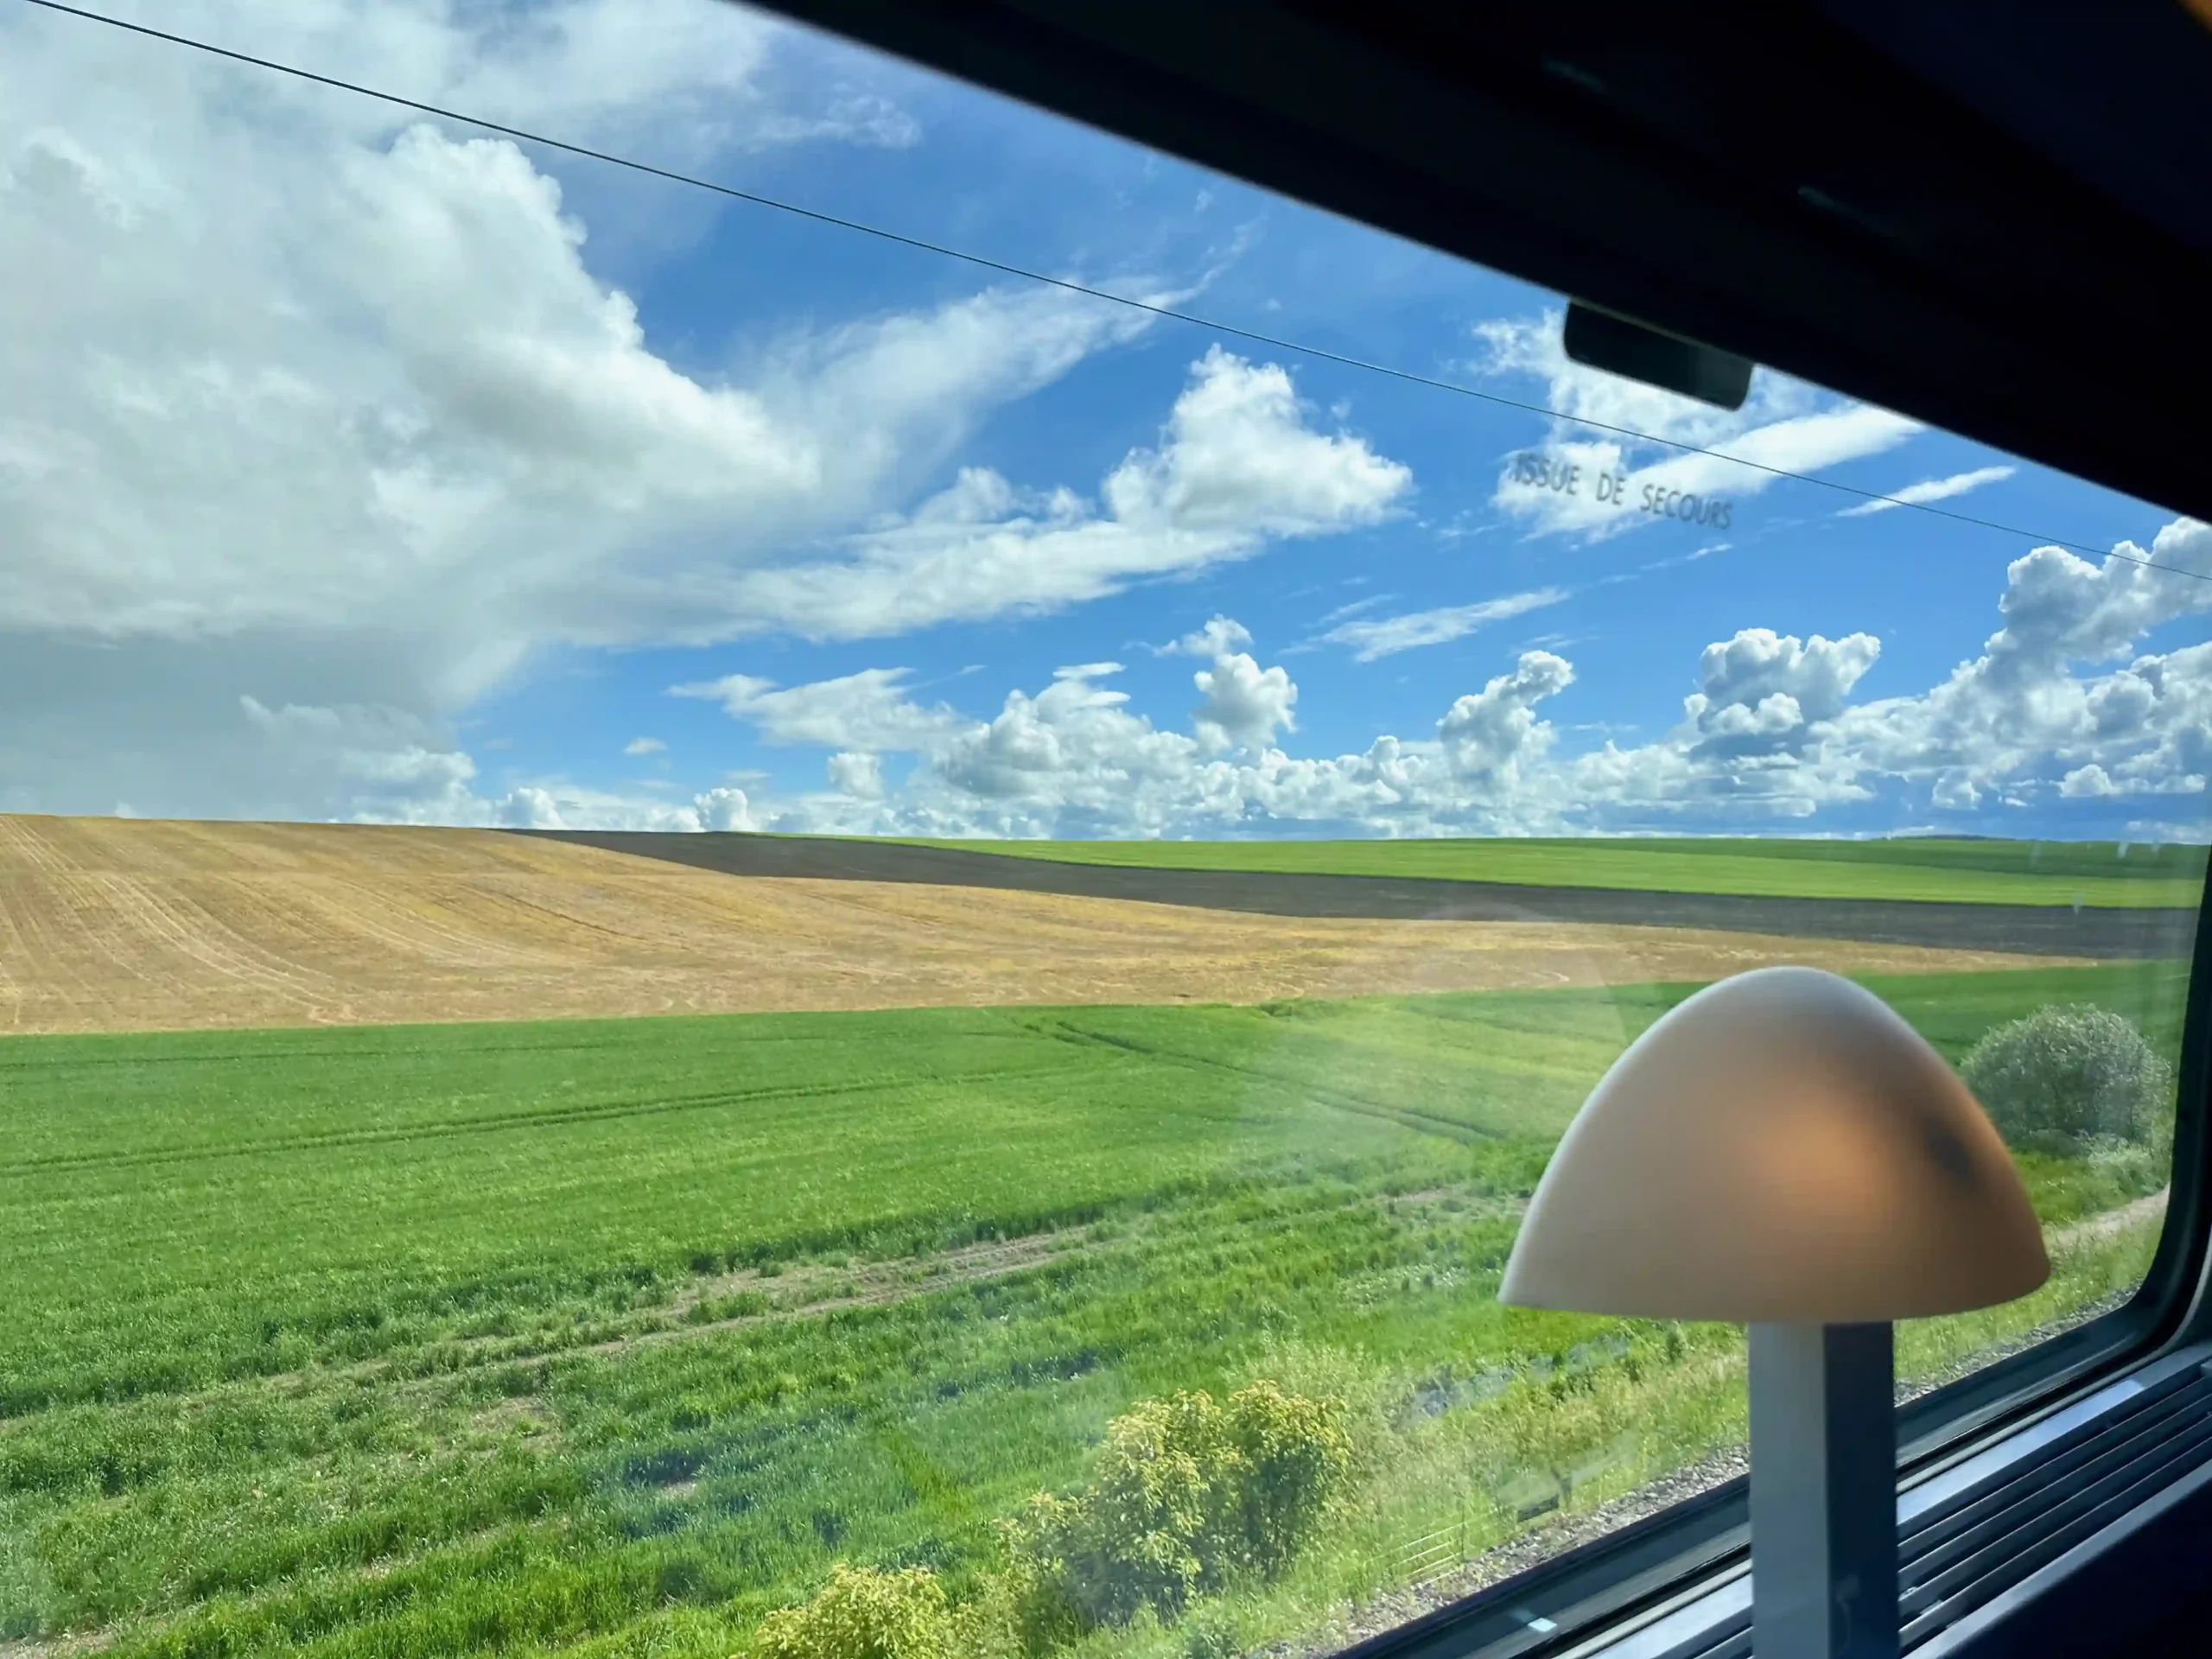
{"x":1824,"y":1496}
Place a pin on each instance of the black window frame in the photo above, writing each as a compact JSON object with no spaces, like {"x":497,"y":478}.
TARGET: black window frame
{"x":1614,"y":123}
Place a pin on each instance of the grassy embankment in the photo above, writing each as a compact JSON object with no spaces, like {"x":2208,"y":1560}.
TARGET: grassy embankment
{"x":608,"y":1336}
{"x":1958,"y":872}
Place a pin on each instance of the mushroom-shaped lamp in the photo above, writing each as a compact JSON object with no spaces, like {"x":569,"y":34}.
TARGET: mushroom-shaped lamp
{"x":1781,"y":1150}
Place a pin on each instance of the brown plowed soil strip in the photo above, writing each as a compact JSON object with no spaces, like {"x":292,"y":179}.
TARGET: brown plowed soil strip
{"x":121,"y":924}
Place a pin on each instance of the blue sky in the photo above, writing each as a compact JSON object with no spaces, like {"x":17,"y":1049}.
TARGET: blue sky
{"x":393,"y":472}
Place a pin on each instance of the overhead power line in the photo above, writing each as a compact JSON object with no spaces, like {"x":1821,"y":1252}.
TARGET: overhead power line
{"x":1006,"y":269}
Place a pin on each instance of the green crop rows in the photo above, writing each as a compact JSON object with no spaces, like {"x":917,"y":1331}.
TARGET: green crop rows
{"x":1958,"y":872}
{"x":609,"y":1336}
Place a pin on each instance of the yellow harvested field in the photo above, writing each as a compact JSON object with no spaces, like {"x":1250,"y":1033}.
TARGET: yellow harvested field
{"x":124,"y":924}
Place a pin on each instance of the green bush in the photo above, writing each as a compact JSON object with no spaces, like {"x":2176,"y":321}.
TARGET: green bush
{"x":2129,"y":1169}
{"x":1188,"y":1495}
{"x":2065,"y":1079}
{"x":862,"y":1613}
{"x":1211,"y":1633}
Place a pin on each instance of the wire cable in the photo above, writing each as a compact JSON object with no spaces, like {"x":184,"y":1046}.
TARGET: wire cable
{"x":1004,"y":268}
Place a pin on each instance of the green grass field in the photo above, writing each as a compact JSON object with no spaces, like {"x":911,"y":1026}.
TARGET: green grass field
{"x":1962,"y":872}
{"x":606,"y":1337}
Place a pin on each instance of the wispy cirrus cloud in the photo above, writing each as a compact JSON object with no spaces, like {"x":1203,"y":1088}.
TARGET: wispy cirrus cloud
{"x":1386,"y":636}
{"x":869,"y":712}
{"x":1931,"y":489}
{"x":1665,"y":456}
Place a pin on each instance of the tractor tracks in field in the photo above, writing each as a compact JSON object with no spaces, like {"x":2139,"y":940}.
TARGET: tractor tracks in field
{"x":58,"y":1647}
{"x":823,"y":1291}
{"x":814,"y":1290}
{"x":804,"y":1291}
{"x":878,"y":1284}
{"x":499,"y":1123}
{"x":1067,"y":1030}
{"x":755,"y":1298}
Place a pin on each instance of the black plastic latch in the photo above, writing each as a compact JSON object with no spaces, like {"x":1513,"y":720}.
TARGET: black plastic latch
{"x":1604,"y":340}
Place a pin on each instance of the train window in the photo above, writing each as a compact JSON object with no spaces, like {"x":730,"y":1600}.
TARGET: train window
{"x":854,"y":930}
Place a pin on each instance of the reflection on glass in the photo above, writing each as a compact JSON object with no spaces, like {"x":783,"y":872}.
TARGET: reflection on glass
{"x":1228,"y":808}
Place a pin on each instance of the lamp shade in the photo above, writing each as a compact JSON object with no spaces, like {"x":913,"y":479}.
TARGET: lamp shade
{"x":1781,"y":1146}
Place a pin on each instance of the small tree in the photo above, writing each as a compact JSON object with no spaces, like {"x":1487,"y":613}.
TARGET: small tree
{"x":1188,"y":1494}
{"x":862,"y":1613}
{"x":2065,"y":1078}
{"x":1132,"y":1537}
{"x":1294,"y":1454}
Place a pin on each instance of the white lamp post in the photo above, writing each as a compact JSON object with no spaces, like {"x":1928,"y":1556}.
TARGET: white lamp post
{"x":1783,"y":1151}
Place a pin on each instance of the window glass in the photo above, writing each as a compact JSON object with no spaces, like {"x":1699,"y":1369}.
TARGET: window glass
{"x":1080,"y":862}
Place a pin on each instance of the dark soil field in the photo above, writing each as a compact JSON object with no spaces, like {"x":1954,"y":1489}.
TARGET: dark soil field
{"x":1856,"y":906}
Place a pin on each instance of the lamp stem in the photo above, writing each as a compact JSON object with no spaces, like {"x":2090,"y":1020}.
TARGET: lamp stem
{"x":1824,"y":1532}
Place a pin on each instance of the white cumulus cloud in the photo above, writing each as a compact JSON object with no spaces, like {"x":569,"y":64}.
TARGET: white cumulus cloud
{"x":1220,"y":635}
{"x":1761,"y":691}
{"x":340,"y":409}
{"x":1243,"y":705}
{"x":859,"y":775}
{"x":1237,"y":467}
{"x":2062,"y":704}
